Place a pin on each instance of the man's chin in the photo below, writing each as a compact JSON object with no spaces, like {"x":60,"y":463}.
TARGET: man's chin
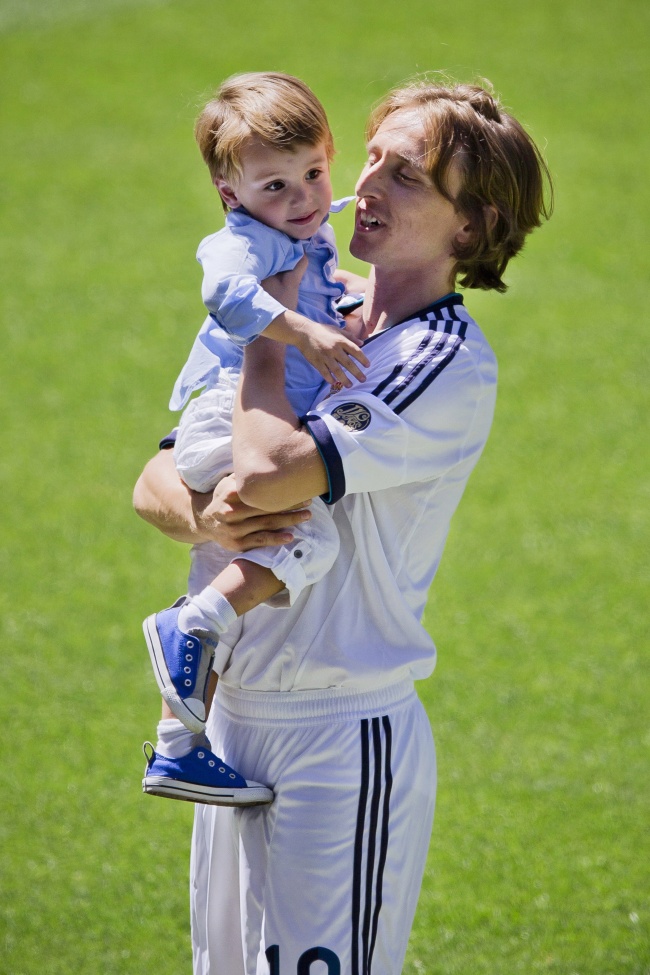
{"x":359,"y":247}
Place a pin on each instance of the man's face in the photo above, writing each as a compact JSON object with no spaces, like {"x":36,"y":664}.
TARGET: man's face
{"x":288,"y":190}
{"x":402,"y":222}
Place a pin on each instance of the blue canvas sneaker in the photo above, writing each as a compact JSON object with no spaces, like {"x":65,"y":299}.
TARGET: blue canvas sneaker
{"x":200,"y":776}
{"x":182,"y":663}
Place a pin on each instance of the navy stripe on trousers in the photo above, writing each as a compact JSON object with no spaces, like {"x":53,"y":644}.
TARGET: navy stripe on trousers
{"x":371,"y":839}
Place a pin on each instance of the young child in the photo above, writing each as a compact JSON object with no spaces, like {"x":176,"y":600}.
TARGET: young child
{"x":268,"y":146}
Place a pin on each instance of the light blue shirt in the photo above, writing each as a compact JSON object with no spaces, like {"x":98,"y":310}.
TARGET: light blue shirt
{"x":235,"y":260}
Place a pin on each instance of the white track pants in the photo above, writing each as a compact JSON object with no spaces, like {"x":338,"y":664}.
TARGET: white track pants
{"x":326,"y":879}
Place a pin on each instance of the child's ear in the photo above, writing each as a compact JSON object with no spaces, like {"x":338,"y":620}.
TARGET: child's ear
{"x":226,"y":192}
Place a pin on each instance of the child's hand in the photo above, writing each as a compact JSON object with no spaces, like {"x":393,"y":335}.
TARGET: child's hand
{"x":331,"y":351}
{"x":355,"y":327}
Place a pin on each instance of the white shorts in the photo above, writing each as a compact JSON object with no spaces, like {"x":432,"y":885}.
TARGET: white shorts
{"x":326,"y":879}
{"x":203,"y":455}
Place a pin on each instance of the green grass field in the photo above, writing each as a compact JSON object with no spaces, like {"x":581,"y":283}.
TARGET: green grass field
{"x":540,"y":853}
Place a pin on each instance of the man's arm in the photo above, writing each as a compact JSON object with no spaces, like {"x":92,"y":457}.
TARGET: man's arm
{"x":162,"y":499}
{"x":275,"y":458}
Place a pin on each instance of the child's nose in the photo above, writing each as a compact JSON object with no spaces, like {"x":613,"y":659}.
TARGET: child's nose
{"x":300,"y":194}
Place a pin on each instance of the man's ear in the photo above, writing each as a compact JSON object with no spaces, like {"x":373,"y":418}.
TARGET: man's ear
{"x":226,"y":192}
{"x":464,"y":234}
{"x":490,"y":215}
{"x":468,"y":230}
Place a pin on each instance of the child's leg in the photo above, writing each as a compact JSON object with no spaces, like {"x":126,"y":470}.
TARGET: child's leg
{"x":183,"y":766}
{"x":182,"y":639}
{"x":242,"y":584}
{"x":245,"y":585}
{"x":303,"y":561}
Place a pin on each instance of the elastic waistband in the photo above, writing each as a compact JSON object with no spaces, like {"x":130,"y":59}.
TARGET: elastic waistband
{"x":309,"y":705}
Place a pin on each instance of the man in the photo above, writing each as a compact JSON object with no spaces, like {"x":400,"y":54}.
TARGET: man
{"x":317,"y":701}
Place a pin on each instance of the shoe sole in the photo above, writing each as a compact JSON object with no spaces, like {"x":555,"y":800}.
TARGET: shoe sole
{"x":176,"y":703}
{"x":160,"y":785}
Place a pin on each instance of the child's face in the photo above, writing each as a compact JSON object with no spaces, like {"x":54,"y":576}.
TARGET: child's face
{"x":288,"y":190}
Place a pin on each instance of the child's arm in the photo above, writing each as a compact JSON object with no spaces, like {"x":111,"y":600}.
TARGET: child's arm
{"x":328,"y":348}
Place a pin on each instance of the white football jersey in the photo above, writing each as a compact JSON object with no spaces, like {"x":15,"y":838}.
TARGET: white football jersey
{"x":399,"y":449}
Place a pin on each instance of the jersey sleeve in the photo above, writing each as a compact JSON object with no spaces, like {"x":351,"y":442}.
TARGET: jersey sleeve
{"x":415,"y":417}
{"x":233,"y":267}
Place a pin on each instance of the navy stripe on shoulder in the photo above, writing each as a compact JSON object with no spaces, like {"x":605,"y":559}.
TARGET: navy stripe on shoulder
{"x":445,"y":325}
{"x":408,"y":379}
{"x":417,"y":368}
{"x":448,"y":354}
{"x":445,"y":319}
{"x":330,"y":455}
{"x":397,"y":369}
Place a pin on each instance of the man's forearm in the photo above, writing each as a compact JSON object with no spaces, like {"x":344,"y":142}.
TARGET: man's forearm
{"x":276,"y":462}
{"x":162,"y":499}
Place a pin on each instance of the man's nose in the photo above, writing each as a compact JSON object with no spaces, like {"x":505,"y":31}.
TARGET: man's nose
{"x":369,"y":182}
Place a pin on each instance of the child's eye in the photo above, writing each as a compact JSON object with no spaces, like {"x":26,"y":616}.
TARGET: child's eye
{"x":275,"y":186}
{"x":313,"y":174}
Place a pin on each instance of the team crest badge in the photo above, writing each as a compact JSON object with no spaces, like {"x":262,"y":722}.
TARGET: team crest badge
{"x":354,"y":416}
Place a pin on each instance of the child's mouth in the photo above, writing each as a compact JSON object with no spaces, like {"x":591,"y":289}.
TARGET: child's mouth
{"x":304,"y":220}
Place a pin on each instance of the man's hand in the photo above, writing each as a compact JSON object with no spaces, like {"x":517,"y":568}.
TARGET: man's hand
{"x":162,"y":499}
{"x":224,"y":518}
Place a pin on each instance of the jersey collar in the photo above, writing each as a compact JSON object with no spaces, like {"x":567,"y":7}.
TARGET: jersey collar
{"x":447,"y":301}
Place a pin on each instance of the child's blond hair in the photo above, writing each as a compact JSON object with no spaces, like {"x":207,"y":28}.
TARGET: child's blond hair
{"x":277,"y":108}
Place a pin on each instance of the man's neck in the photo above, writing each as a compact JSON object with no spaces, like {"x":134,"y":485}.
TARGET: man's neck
{"x":392,"y":298}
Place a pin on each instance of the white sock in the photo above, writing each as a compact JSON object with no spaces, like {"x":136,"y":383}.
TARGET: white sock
{"x":175,"y":740}
{"x":209,"y":610}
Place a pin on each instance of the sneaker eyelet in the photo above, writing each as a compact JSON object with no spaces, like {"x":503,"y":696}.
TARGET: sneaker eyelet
{"x":187,"y":670}
{"x":189,"y":657}
{"x":211,"y":763}
{"x":222,"y":769}
{"x":190,"y":644}
{"x":232,"y":775}
{"x":188,"y":683}
{"x":201,"y":754}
